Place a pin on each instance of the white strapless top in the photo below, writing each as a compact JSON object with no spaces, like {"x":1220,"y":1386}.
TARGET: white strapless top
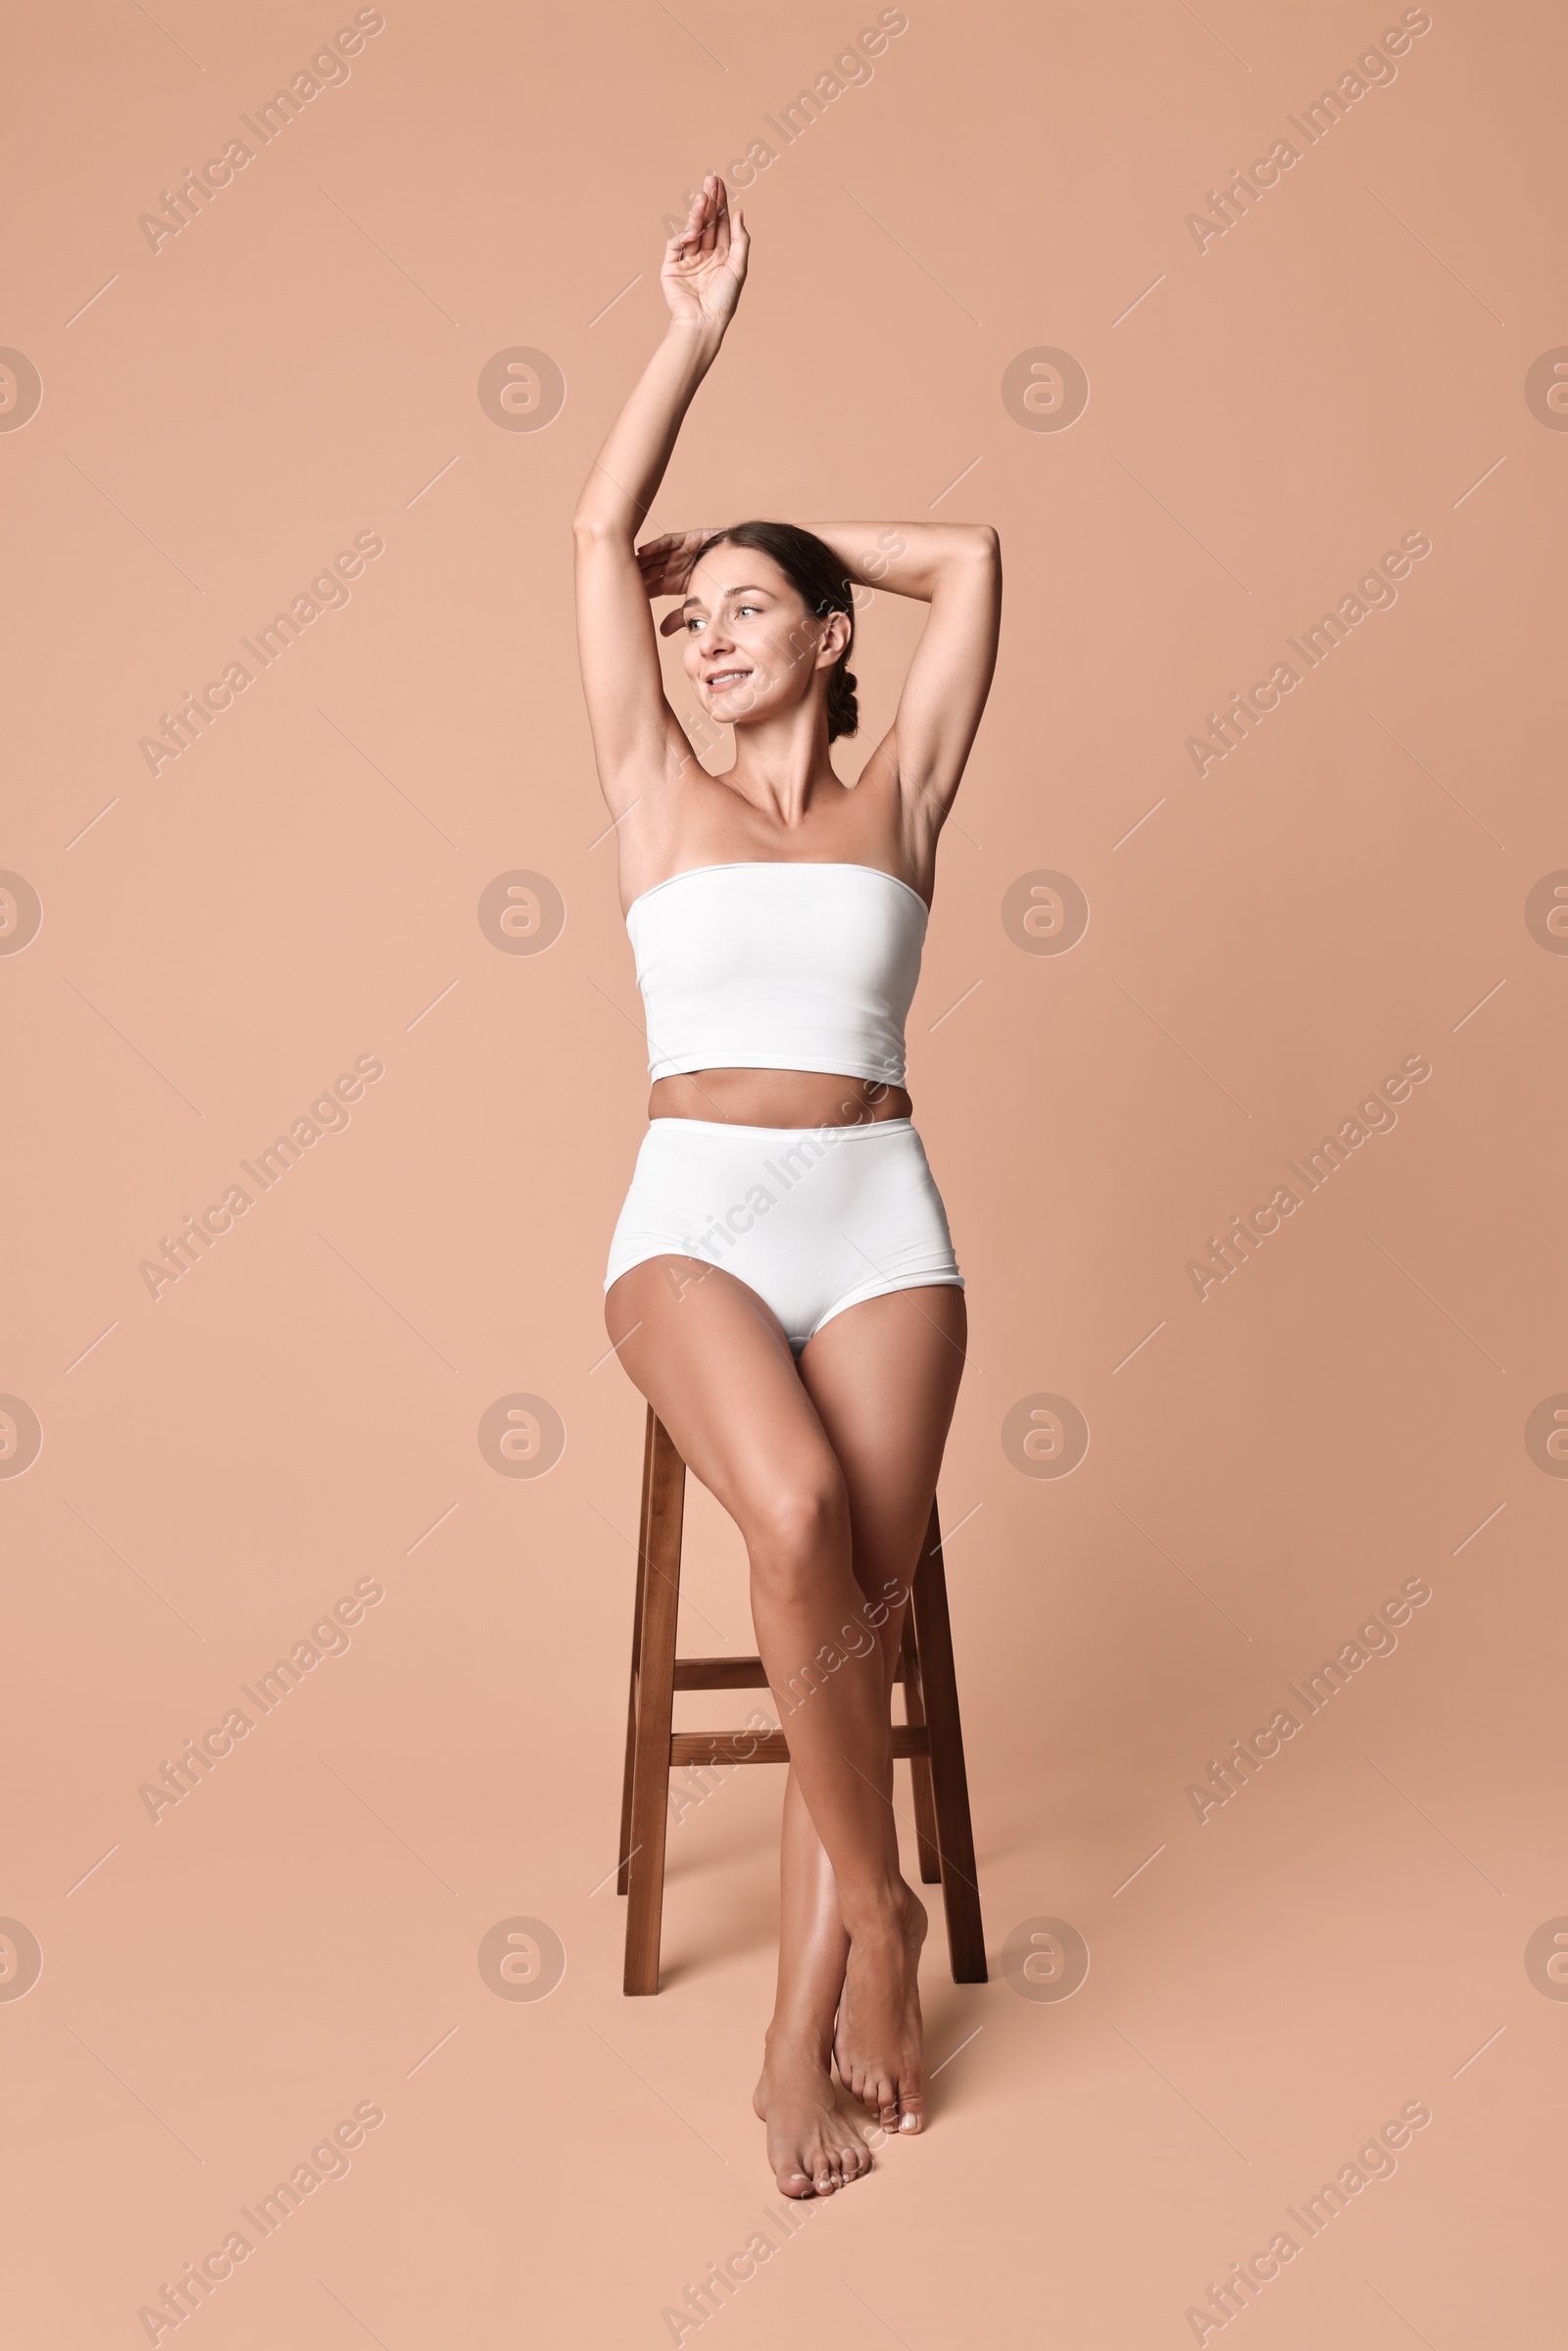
{"x":773,"y":965}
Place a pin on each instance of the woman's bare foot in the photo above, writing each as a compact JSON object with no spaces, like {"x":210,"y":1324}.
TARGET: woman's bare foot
{"x":810,"y":2146}
{"x":877,"y":2040}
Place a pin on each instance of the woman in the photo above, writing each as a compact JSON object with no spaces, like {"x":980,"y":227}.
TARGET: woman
{"x":781,"y":1284}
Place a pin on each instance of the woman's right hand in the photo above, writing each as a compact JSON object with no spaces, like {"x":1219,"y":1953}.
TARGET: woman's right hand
{"x":666,"y":563}
{"x":705,"y":267}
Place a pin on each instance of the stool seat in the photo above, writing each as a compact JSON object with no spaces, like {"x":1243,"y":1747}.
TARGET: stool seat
{"x":930,"y":1739}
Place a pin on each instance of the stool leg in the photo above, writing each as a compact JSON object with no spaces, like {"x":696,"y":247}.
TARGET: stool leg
{"x":659,"y":1575}
{"x":933,"y":1634}
{"x":624,"y":1847}
{"x":925,"y":1803}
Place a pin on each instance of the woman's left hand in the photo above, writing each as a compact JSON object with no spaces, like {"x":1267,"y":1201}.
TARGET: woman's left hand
{"x":666,"y":563}
{"x":705,"y":262}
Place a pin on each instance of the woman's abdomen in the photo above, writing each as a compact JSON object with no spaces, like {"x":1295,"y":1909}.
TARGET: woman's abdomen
{"x":777,"y":1098}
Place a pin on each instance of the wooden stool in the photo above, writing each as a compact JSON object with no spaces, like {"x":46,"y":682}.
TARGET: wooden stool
{"x":931,"y":1736}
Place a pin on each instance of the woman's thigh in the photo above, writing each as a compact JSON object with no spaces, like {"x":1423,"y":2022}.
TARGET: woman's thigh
{"x":856,"y":1427}
{"x":714,"y":1361}
{"x":883,"y":1378}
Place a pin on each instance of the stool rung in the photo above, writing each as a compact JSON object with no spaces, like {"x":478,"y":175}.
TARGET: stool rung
{"x":732,"y":1673}
{"x":753,"y":1747}
{"x":719,"y":1672}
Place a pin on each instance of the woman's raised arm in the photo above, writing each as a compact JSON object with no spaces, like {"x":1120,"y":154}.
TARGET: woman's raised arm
{"x":634,"y":728}
{"x":956,"y":568}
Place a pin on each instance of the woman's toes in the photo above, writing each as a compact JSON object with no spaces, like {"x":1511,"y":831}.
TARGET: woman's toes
{"x":794,"y":2184}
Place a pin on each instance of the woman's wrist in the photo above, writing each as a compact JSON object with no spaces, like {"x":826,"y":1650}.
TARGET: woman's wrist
{"x":700,"y":338}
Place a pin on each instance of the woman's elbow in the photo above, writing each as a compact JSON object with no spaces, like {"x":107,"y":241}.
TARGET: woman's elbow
{"x":974,"y":553}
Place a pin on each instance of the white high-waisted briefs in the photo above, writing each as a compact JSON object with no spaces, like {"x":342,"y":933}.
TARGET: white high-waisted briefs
{"x":813,"y":1219}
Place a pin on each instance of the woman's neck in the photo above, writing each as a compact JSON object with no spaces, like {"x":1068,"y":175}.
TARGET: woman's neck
{"x":782,"y":767}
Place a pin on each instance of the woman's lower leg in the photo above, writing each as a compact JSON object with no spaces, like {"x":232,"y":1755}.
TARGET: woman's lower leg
{"x":824,"y":1667}
{"x":814,"y":1947}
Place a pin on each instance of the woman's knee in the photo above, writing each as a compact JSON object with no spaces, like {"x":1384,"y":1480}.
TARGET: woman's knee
{"x":797,"y":1526}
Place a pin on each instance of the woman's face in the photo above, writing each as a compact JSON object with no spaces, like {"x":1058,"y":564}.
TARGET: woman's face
{"x":751,"y":646}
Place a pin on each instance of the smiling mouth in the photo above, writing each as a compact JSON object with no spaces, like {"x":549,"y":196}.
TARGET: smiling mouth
{"x":725,"y":678}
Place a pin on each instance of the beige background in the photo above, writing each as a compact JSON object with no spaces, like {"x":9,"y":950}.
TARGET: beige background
{"x":300,"y":365}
